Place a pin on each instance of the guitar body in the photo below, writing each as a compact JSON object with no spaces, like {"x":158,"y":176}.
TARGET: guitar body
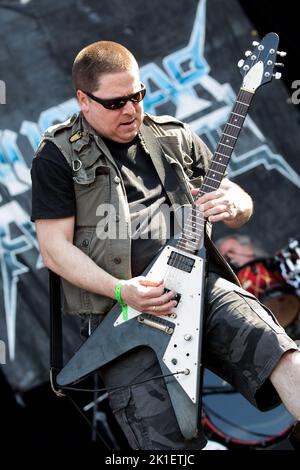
{"x":176,"y":341}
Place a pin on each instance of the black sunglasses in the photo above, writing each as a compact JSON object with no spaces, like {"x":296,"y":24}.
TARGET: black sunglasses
{"x":118,"y":103}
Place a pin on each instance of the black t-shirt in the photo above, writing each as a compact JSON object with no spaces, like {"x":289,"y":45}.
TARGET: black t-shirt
{"x":53,"y":195}
{"x":146,"y":197}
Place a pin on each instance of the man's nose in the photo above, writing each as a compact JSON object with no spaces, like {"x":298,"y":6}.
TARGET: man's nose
{"x":129,"y":107}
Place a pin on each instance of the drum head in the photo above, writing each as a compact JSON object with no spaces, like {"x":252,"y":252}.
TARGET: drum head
{"x":285,"y":306}
{"x":262,"y":277}
{"x":235,"y":421}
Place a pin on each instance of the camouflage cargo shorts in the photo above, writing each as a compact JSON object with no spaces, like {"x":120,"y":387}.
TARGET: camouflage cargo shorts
{"x":242,"y":344}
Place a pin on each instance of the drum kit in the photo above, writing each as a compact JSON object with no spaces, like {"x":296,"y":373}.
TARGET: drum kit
{"x":229,"y":418}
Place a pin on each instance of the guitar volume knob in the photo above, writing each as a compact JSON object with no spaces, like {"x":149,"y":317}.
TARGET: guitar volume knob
{"x":188,"y":337}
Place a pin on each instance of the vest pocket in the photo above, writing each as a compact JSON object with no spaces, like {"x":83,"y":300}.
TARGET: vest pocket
{"x":82,"y":240}
{"x":88,"y":199}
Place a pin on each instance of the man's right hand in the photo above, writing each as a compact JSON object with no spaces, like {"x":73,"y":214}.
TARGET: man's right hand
{"x":148,"y":297}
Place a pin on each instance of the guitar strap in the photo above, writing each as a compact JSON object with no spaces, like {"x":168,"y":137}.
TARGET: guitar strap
{"x":168,"y":176}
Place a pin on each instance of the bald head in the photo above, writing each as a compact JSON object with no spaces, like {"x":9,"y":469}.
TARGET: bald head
{"x":97,"y":59}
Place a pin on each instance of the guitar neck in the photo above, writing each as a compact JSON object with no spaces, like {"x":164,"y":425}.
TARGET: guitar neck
{"x":221,"y":157}
{"x":193,"y":231}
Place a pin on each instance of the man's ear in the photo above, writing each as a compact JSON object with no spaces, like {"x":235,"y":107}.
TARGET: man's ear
{"x":83,"y":100}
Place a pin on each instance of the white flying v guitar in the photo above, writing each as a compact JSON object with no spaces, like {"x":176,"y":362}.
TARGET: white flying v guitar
{"x":176,"y":339}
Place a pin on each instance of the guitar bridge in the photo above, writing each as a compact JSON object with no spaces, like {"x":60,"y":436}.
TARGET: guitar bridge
{"x":156,"y":322}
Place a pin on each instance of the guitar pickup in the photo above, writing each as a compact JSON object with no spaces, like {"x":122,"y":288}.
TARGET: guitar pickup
{"x":176,"y":297}
{"x":160,"y":324}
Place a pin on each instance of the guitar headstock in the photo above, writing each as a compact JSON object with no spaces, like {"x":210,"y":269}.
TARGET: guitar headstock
{"x":258,"y":67}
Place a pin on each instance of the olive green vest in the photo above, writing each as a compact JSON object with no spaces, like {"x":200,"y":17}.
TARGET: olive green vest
{"x":99,"y":188}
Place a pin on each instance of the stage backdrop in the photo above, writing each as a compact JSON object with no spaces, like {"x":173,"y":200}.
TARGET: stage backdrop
{"x":188,"y":53}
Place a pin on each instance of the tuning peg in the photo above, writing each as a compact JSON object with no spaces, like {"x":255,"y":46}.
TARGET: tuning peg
{"x":281,"y":53}
{"x":279,"y":64}
{"x":255,"y":43}
{"x":247,"y":53}
{"x":277,"y":75}
{"x":240,"y":63}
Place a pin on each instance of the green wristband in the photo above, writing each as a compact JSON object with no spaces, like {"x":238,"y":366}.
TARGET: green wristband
{"x":118,"y":292}
{"x":118,"y":289}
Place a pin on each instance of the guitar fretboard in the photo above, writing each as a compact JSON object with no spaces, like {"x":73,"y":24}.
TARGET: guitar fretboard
{"x":193,"y":230}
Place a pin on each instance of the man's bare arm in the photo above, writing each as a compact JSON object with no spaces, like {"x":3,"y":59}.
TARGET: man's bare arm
{"x":55,"y":238}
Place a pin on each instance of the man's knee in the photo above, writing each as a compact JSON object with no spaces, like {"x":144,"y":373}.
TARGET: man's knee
{"x":286,"y":365}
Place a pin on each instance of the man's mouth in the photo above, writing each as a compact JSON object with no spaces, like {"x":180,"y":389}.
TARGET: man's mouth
{"x":128,"y":123}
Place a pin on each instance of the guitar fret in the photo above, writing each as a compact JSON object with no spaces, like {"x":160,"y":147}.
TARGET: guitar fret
{"x":236,"y":120}
{"x":220,"y":169}
{"x":223,"y":155}
{"x":230,"y":135}
{"x":191,"y":232}
{"x":185,"y":238}
{"x":219,"y":163}
{"x":229,"y":124}
{"x":215,"y":171}
{"x":213,"y":179}
{"x":205,"y":184}
{"x":226,"y":145}
{"x":236,"y":114}
{"x":240,"y":102}
{"x":195,"y":222}
{"x":234,"y":131}
{"x":186,"y":245}
{"x":194,"y":225}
